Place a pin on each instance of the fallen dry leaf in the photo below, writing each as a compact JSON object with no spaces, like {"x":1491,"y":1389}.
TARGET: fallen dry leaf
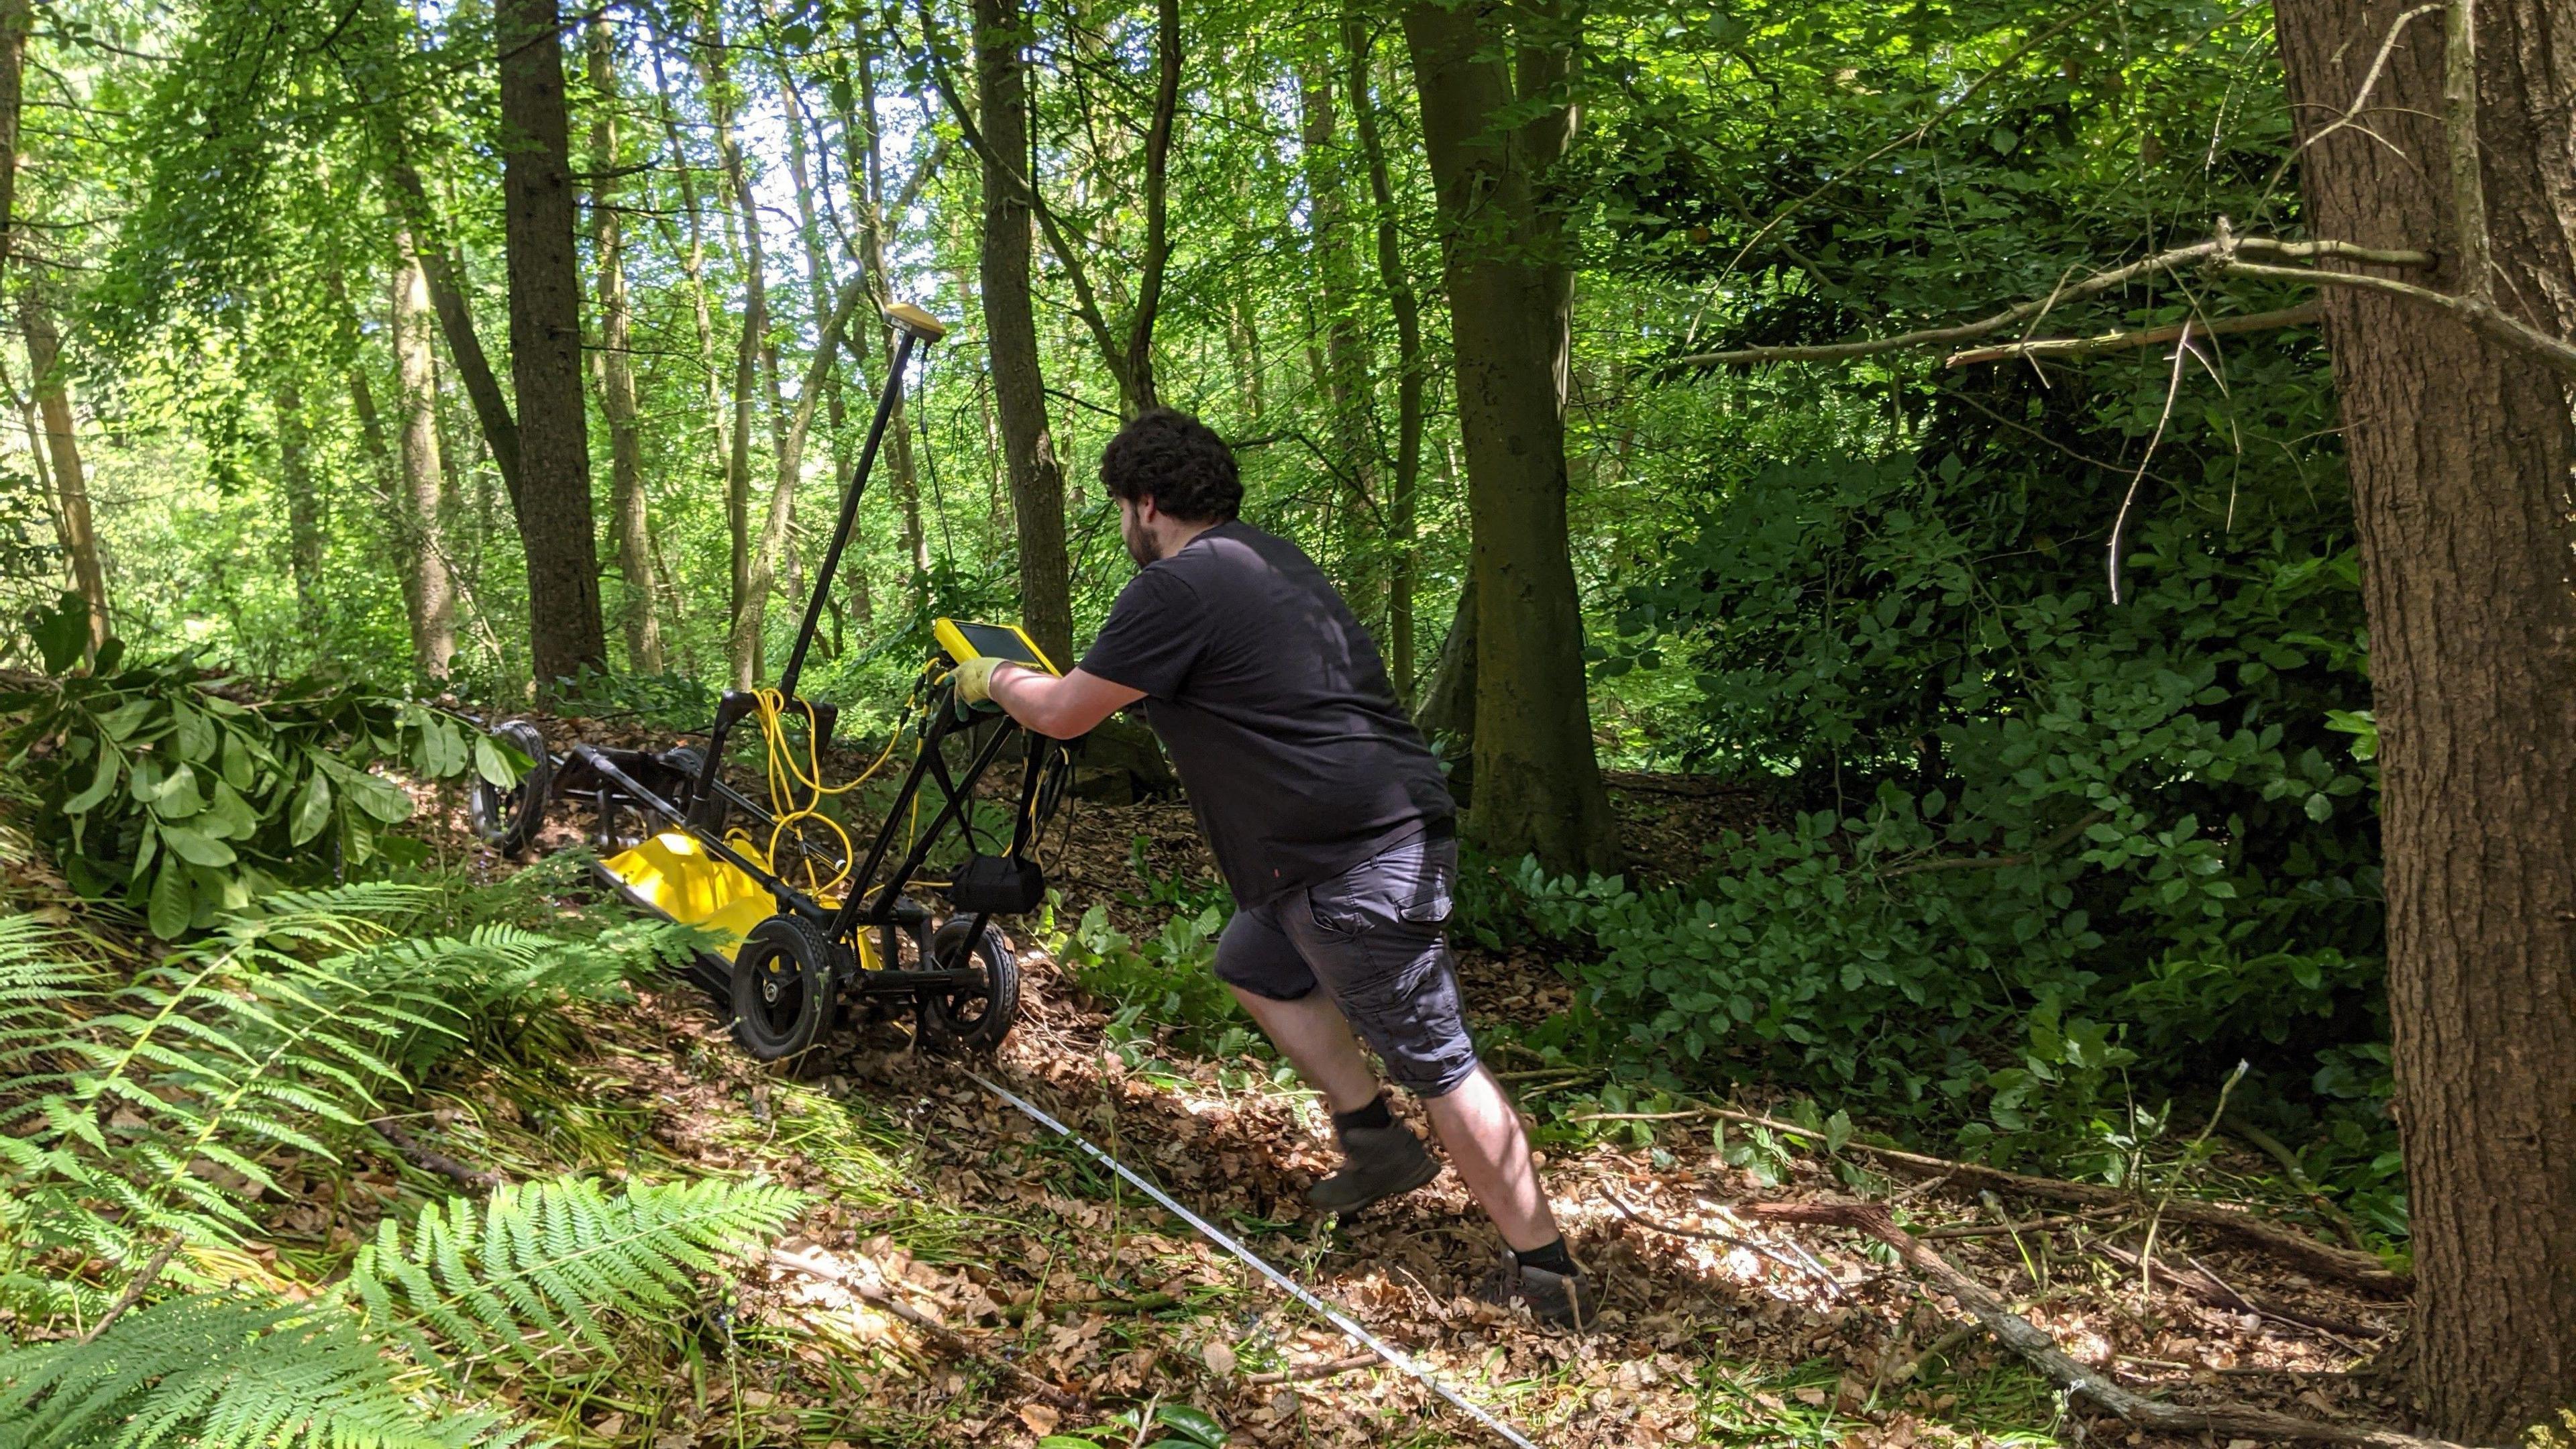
{"x":1218,"y":1357}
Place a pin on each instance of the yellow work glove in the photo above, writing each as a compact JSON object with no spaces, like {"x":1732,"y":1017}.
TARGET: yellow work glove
{"x":975,"y":681}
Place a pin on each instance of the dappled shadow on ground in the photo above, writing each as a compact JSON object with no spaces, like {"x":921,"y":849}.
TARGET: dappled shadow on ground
{"x":1062,"y":1297}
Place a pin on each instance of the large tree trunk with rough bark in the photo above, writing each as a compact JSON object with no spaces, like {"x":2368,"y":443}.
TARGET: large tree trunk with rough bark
{"x":429,"y":592}
{"x":62,"y":442}
{"x":627,"y":520}
{"x":555,"y":531}
{"x":1537,"y":780}
{"x":2460,"y":454}
{"x":1011,"y":335}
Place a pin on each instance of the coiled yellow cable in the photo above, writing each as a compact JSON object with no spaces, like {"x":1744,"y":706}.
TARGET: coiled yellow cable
{"x":785,"y":776}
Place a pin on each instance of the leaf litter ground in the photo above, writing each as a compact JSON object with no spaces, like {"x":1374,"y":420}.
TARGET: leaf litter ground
{"x":966,"y":1278}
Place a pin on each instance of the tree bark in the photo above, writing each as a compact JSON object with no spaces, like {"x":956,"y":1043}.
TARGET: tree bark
{"x":304,"y":524}
{"x":1011,"y":335}
{"x":429,"y":591}
{"x":440,"y":268}
{"x":627,"y":519}
{"x":1407,"y":307}
{"x":693,"y":263}
{"x":564,"y":633}
{"x":1538,"y":781}
{"x":1449,"y":700}
{"x":782,"y":497}
{"x":62,"y":441}
{"x":2460,"y":454}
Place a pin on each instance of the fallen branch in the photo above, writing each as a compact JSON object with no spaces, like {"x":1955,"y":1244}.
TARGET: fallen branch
{"x":135,"y":1290}
{"x":954,"y":1341}
{"x":2359,"y":1270}
{"x":2202,"y":1284}
{"x":1325,"y":1370}
{"x":429,"y":1159}
{"x":2218,"y":249}
{"x":1140,"y":1304}
{"x":2300,"y":316}
{"x":2041,"y":1351}
{"x":2280,"y":1152}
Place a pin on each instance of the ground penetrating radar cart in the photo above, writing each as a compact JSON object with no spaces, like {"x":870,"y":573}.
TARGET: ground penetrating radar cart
{"x":809,"y":925}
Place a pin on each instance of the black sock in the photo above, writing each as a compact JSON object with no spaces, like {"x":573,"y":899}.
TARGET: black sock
{"x":1372,"y":1115}
{"x":1550,"y":1258}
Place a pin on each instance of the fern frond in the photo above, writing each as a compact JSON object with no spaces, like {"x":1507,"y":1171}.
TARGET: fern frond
{"x":537,"y":1268}
{"x":221,"y":1371}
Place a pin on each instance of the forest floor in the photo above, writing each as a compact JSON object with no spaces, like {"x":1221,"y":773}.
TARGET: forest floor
{"x":1065,"y":1299}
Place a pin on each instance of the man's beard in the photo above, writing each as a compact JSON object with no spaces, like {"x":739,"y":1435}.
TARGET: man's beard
{"x":1142,"y":546}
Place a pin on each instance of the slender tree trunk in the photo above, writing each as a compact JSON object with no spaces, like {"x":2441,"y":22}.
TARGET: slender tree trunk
{"x":430,"y":591}
{"x":627,"y":519}
{"x":444,"y":274}
{"x":17,"y":19}
{"x":743,"y":213}
{"x":1398,"y":281}
{"x":1346,"y":362}
{"x":1538,"y":781}
{"x":2460,"y":455}
{"x":693,"y":262}
{"x":791,"y":459}
{"x":861,"y":134}
{"x":1011,"y":335}
{"x":564,"y":632}
{"x":303,"y":506}
{"x":62,"y":440}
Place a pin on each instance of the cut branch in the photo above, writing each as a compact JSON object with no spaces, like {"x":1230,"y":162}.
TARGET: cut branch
{"x":2041,"y":1351}
{"x":2302,"y":315}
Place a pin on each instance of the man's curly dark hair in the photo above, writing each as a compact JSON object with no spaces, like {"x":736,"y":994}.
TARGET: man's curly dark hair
{"x":1177,"y":461}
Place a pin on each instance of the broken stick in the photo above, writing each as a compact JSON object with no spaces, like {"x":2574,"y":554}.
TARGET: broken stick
{"x":2026,"y":1339}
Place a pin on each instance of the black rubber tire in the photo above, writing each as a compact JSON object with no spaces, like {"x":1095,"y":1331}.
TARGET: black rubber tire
{"x":508,"y":820}
{"x":973,"y":1020}
{"x":784,"y":980}
{"x":708,"y":814}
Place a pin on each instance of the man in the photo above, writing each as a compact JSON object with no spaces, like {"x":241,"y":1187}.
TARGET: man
{"x":1327,"y":815}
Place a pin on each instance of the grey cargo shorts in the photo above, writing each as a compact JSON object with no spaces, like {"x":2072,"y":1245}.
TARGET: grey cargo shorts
{"x":1375,"y":938}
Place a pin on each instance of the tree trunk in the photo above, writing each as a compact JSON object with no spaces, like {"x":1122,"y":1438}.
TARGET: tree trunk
{"x":303,"y":507}
{"x":62,"y":440}
{"x":2460,"y":455}
{"x":627,"y":521}
{"x":564,"y":632}
{"x":744,"y":212}
{"x":1398,"y":281}
{"x":782,"y":497}
{"x":429,"y":591}
{"x":1538,"y":782}
{"x":861,"y":135}
{"x":443,"y":273}
{"x":693,"y":263}
{"x":1011,"y":336}
{"x":17,"y":18}
{"x":1345,"y":353}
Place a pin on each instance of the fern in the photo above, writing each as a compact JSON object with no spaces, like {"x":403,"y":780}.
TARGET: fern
{"x":223,"y":1371}
{"x":531,"y":1271}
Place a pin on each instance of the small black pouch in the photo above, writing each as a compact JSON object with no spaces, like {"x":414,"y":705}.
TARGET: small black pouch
{"x":1000,"y":885}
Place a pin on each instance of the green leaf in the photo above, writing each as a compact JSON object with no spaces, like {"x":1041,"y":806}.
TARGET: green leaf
{"x":195,"y":733}
{"x":1197,"y":1423}
{"x":378,"y":797}
{"x":491,"y":764}
{"x":173,"y":905}
{"x":110,"y":765}
{"x":62,"y":633}
{"x":312,"y":809}
{"x":177,"y":797}
{"x":196,"y":847}
{"x":2320,"y":807}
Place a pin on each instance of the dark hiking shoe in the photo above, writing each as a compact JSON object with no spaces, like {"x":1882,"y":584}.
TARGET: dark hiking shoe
{"x":1377,"y":1162}
{"x":1567,"y":1300}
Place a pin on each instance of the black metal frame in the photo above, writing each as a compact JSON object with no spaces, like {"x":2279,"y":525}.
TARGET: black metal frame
{"x":616,"y":779}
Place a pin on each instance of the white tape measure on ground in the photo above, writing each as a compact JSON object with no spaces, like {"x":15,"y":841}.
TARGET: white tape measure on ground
{"x":1214,"y":1234}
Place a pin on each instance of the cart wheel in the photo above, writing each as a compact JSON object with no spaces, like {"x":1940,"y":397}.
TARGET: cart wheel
{"x":784,"y":978}
{"x":707,"y":814}
{"x":508,"y":820}
{"x":972,"y":1018}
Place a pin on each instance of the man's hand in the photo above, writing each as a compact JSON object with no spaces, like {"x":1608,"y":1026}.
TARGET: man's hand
{"x":974,"y":680}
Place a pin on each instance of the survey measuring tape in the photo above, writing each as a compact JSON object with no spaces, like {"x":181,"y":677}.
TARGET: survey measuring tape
{"x":1351,"y":1329}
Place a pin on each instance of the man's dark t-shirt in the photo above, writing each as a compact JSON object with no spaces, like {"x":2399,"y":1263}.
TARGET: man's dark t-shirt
{"x":1275,"y":707}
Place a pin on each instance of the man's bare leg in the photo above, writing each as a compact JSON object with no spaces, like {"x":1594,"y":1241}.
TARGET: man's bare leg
{"x":1476,"y":1122}
{"x":1482,"y":1131}
{"x":1317,"y":1041}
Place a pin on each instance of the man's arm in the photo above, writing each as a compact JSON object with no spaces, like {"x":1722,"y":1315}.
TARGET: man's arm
{"x":1060,"y":708}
